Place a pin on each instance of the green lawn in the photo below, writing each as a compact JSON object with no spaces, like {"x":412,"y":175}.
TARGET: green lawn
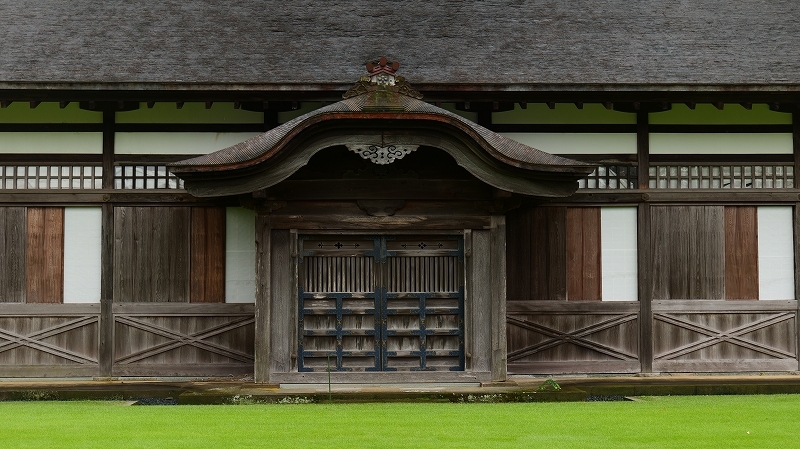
{"x":659,"y":422}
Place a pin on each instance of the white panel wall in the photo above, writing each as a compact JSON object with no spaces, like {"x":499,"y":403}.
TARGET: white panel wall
{"x":575,"y":143}
{"x":240,"y":255}
{"x":702,"y":143}
{"x":618,"y":253}
{"x":775,"y":253}
{"x":176,"y":143}
{"x":51,"y":142}
{"x":82,"y":239}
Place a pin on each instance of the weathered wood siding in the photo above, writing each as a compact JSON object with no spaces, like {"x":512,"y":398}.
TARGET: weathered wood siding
{"x":207,"y":254}
{"x":151,"y":254}
{"x":13,"y":231}
{"x":46,"y":340}
{"x":693,"y":336}
{"x":584,"y":272}
{"x":741,"y":252}
{"x":554,"y":253}
{"x":565,"y":337}
{"x":44,"y":267}
{"x":183,"y":339}
{"x":537,"y":254}
{"x":688,"y":248}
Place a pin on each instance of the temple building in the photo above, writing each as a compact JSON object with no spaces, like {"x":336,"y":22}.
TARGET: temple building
{"x":411,"y":192}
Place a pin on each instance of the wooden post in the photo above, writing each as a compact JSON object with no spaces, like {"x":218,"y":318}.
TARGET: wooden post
{"x":498,"y":272}
{"x":263,"y":298}
{"x":645,"y":288}
{"x":643,"y":149}
{"x":109,"y":118}
{"x":283,"y":300}
{"x":106,"y":348}
{"x":796,"y":226}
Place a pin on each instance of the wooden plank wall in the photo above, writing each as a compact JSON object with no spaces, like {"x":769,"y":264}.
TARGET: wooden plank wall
{"x":741,"y":252}
{"x":554,"y":254}
{"x":151,"y":254}
{"x":688,"y":252}
{"x":44,"y":269}
{"x":207,"y":275}
{"x":584,"y":271}
{"x":705,"y":252}
{"x":169,"y":254}
{"x":12,"y":254}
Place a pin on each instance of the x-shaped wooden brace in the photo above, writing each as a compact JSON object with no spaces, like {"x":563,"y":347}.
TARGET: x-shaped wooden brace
{"x":733,"y":336}
{"x":34,"y":340}
{"x":178,"y":339}
{"x":576,"y":337}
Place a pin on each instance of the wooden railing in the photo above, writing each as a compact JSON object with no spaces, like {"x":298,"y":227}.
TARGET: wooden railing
{"x":735,"y":175}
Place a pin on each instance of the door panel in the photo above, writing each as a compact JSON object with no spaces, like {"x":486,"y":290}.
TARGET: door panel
{"x":381,"y":304}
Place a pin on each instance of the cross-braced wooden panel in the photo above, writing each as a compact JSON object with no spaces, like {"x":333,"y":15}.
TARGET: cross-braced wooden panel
{"x":549,"y":337}
{"x":724,"y":336}
{"x":40,"y":340}
{"x":162,"y":339}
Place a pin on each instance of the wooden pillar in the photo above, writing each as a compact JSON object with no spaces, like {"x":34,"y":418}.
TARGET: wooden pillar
{"x":796,"y":225}
{"x":644,"y":262}
{"x":645,"y":294}
{"x":106,"y":344}
{"x":109,"y":118}
{"x":643,"y":149}
{"x":499,"y":365}
{"x":106,"y":348}
{"x":263,"y":301}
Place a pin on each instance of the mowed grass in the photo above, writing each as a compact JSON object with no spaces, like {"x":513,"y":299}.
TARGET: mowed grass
{"x":659,"y":422}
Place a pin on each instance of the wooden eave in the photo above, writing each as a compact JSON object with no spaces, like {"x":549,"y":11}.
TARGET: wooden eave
{"x":272,"y":157}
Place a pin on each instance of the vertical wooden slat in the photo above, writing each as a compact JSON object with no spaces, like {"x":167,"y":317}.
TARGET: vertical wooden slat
{"x":548,"y":253}
{"x":583,"y":257}
{"x":12,"y":254}
{"x":207,"y":248}
{"x":44,"y":270}
{"x":151,"y":257}
{"x":741,"y":252}
{"x":688,"y":248}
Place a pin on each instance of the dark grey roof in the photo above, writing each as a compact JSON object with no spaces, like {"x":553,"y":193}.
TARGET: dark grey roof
{"x":527,"y":43}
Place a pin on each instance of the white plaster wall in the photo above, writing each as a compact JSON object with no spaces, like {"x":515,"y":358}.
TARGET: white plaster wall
{"x":707,"y":143}
{"x":578,"y":143}
{"x":775,"y":253}
{"x":82,"y":239}
{"x":240,"y":255}
{"x":176,"y":143}
{"x":618,"y":253}
{"x":51,"y":142}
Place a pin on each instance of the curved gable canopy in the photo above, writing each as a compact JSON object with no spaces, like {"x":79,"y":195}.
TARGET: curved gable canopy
{"x":382,"y":118}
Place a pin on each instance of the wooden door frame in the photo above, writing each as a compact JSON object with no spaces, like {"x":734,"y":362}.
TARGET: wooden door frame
{"x":276,"y":307}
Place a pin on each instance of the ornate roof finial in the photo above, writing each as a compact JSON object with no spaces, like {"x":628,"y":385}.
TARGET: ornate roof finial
{"x":382,"y":71}
{"x":382,"y":75}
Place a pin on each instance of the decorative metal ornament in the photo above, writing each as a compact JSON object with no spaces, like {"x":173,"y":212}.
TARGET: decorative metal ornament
{"x":382,"y":155}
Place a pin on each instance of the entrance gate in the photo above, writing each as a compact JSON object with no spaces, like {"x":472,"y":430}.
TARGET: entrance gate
{"x":382,"y":303}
